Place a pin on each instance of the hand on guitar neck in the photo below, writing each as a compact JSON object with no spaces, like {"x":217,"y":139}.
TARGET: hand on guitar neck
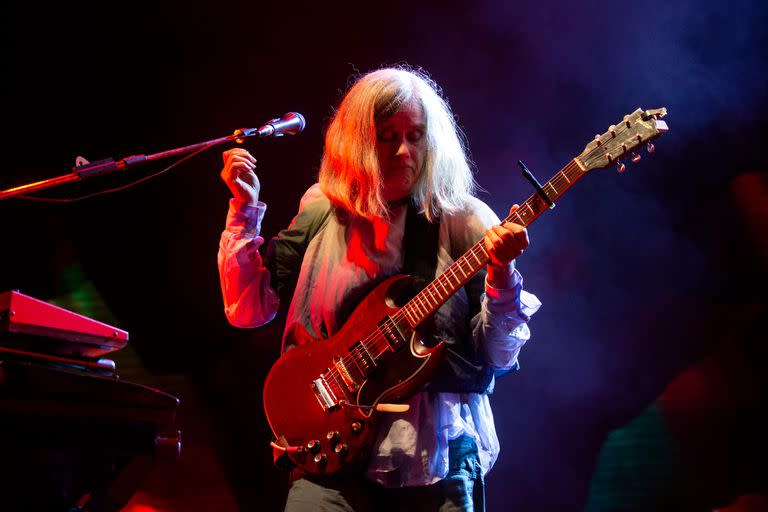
{"x":504,"y":243}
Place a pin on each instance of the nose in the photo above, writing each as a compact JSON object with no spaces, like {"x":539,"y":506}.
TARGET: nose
{"x":403,"y":149}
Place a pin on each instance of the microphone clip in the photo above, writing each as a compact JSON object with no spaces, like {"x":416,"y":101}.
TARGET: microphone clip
{"x":240,"y":134}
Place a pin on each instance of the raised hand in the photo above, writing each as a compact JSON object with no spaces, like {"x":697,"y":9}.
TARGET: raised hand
{"x":238,"y":174}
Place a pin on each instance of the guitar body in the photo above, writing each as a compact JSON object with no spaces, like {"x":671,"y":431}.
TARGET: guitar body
{"x":319,"y":403}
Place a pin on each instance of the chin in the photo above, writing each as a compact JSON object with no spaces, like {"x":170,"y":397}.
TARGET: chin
{"x":398,"y":192}
{"x":399,"y":187}
{"x":395,"y":197}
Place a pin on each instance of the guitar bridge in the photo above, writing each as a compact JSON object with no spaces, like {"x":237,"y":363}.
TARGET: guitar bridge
{"x":346,"y":376}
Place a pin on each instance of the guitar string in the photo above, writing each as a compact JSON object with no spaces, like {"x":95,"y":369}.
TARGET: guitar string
{"x":375,"y":339}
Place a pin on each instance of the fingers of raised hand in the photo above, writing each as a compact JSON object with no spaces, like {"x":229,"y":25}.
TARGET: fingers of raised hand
{"x":237,"y":161}
{"x":237,"y":152}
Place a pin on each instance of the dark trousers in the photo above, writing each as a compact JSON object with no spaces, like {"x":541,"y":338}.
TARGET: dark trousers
{"x":462,"y":490}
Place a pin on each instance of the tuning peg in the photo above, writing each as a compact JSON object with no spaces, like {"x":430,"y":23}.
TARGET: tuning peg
{"x":620,"y":166}
{"x":635,"y":157}
{"x":650,"y":148}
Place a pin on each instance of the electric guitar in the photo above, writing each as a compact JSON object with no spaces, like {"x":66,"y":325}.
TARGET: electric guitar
{"x":322,"y":398}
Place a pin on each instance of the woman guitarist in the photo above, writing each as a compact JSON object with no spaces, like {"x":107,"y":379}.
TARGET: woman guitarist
{"x":391,"y":148}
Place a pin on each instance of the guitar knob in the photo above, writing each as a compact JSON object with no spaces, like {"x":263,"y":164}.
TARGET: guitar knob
{"x":321,"y":459}
{"x":650,"y":148}
{"x":635,"y":158}
{"x":313,"y":446}
{"x":621,"y":167}
{"x":357,"y":427}
{"x":341,"y":449}
{"x":333,"y":436}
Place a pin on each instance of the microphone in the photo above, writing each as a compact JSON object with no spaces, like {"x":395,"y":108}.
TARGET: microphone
{"x":290,"y":124}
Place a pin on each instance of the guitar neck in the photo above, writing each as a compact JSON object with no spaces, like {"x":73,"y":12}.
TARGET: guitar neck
{"x":434,"y":295}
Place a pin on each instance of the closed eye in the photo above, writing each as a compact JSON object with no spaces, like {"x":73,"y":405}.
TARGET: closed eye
{"x":386,"y":136}
{"x":415,"y":135}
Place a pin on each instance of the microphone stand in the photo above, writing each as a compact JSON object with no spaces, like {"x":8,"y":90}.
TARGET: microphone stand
{"x":109,"y":165}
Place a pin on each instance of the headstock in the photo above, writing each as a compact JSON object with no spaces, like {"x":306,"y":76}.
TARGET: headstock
{"x":639,"y":127}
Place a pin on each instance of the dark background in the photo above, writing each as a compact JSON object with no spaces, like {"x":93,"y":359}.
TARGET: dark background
{"x":642,"y":275}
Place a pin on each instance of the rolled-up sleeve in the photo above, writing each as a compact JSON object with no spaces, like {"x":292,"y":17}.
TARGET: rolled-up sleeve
{"x":501,"y":327}
{"x":249,"y":301}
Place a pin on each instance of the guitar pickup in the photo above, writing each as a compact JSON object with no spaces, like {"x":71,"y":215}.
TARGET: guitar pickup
{"x":362,"y":358}
{"x":395,"y":338}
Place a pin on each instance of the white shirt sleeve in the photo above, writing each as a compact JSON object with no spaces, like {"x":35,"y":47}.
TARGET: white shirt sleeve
{"x":501,"y":328}
{"x":249,"y":301}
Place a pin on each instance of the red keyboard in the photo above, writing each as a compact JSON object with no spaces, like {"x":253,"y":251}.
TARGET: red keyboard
{"x":35,"y":325}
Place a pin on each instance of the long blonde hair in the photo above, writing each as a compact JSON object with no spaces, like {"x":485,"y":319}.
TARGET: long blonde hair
{"x":349,"y":173}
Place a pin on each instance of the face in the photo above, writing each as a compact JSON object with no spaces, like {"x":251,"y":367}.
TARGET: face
{"x":401,"y":146}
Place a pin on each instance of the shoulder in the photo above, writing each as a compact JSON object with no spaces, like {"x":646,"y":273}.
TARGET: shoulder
{"x":465,"y":227}
{"x":475,"y":214}
{"x":314,"y":209}
{"x":313,"y":199}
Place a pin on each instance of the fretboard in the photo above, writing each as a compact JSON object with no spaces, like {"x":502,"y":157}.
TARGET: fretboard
{"x":426,"y":302}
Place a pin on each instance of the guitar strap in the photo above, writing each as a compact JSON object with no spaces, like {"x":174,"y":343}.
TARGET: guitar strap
{"x":420,"y":244}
